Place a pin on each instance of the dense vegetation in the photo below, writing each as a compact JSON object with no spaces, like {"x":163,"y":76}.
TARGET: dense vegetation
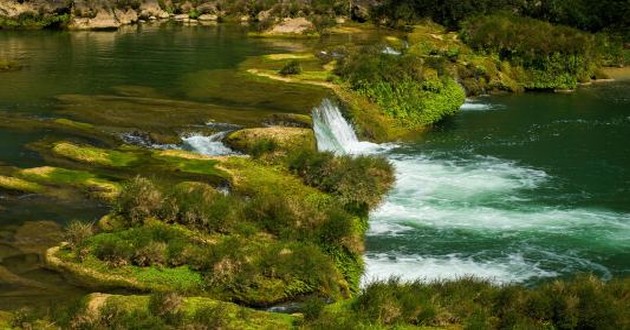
{"x":572,"y":57}
{"x":269,"y":240}
{"x":406,"y":88}
{"x":581,"y":303}
{"x":602,"y":16}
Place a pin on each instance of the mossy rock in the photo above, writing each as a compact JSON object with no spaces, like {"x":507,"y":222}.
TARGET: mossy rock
{"x":49,"y":175}
{"x":282,"y":139}
{"x":289,"y":120}
{"x":17,"y":184}
{"x":93,"y":155}
{"x":193,"y":163}
{"x":231,"y":316}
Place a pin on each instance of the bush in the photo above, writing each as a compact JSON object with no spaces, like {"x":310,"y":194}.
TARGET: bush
{"x":113,"y":250}
{"x":139,"y":199}
{"x":415,"y":91}
{"x":292,"y":67}
{"x":77,"y":232}
{"x":572,"y":56}
{"x":152,"y":254}
{"x":165,"y":304}
{"x":359,"y":182}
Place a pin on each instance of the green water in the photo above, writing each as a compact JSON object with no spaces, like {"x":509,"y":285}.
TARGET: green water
{"x":527,"y":187}
{"x":516,"y":189}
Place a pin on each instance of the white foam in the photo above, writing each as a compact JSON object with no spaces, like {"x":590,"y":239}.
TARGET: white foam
{"x":511,"y":268}
{"x":335,"y":134}
{"x":208,"y":145}
{"x":476,"y":105}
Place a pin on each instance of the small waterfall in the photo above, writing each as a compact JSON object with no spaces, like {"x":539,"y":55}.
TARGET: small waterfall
{"x":208,"y":145}
{"x":333,"y":133}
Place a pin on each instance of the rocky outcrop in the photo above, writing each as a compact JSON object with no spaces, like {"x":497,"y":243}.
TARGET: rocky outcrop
{"x":111,"y":14}
{"x":298,"y":25}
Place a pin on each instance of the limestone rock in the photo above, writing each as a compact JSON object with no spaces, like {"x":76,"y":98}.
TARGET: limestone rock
{"x":126,"y":17}
{"x":299,"y":25}
{"x":150,"y":8}
{"x":104,"y":20}
{"x":208,"y":17}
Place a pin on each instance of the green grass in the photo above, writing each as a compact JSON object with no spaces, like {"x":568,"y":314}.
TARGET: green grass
{"x":64,"y":177}
{"x":93,"y":155}
{"x":190,"y":162}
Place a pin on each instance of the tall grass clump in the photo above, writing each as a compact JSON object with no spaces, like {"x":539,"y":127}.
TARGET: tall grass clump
{"x":584,"y":302}
{"x":139,"y":200}
{"x":360,"y":183}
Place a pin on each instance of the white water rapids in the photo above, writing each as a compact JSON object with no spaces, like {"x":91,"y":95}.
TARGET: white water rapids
{"x":451,"y":216}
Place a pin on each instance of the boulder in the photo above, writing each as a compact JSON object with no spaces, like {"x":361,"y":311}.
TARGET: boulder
{"x":299,"y":25}
{"x":208,"y":18}
{"x":150,"y":8}
{"x":126,"y":17}
{"x":104,"y":20}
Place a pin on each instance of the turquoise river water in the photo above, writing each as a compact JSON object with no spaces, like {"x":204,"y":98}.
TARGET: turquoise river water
{"x":517,"y":188}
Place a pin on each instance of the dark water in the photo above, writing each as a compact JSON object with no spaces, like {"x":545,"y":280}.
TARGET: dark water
{"x":514,"y":188}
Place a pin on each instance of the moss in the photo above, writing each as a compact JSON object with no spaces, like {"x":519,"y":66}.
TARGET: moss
{"x":289,"y":120}
{"x":93,"y":155}
{"x":59,"y":176}
{"x":285,"y":139}
{"x":189,"y":309}
{"x":191,"y":163}
{"x":73,"y":124}
{"x":18,"y":184}
{"x":97,"y":274}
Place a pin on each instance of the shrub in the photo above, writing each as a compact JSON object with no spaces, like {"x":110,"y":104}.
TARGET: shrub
{"x":77,"y":232}
{"x":414,"y":90}
{"x":359,"y":182}
{"x":292,"y":67}
{"x":139,"y":199}
{"x":165,"y":304}
{"x":113,"y":250}
{"x":154,"y":253}
{"x":263,"y":146}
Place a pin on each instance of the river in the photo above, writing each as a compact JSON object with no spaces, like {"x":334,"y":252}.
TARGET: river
{"x":514,"y":188}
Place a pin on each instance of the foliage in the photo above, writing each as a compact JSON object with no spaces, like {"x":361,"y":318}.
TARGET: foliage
{"x":581,"y":303}
{"x":358,"y":182}
{"x":139,"y":199}
{"x":77,"y":232}
{"x":414,"y":91}
{"x":571,"y":57}
{"x":292,"y":67}
{"x":602,"y":16}
{"x":34,"y":20}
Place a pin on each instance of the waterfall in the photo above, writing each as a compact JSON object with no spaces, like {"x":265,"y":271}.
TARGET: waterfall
{"x":208,"y":145}
{"x":333,"y":133}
